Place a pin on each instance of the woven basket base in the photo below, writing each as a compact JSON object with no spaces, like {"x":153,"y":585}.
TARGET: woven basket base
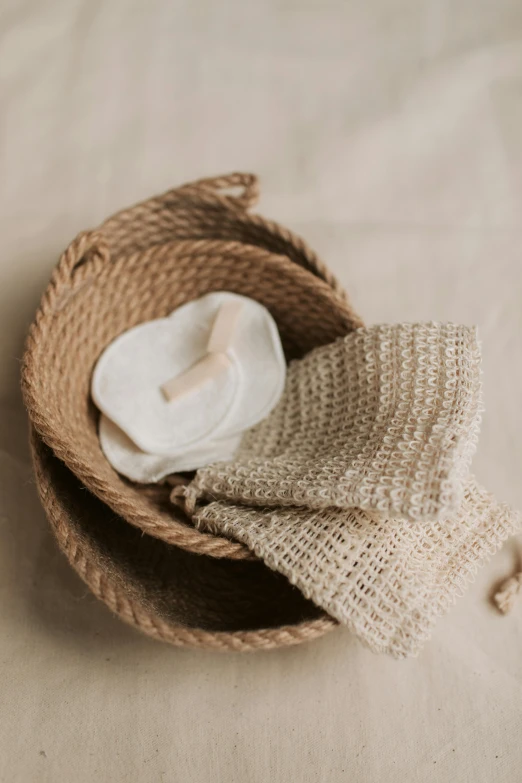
{"x":166,"y":592}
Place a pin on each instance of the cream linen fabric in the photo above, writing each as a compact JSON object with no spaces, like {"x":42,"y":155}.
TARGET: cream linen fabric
{"x":388,"y":134}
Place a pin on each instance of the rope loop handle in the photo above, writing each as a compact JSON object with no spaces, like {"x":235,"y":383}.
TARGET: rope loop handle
{"x":82,"y":260}
{"x":218,"y":189}
{"x":84,"y":257}
{"x":86,"y":254}
{"x":89,"y":252}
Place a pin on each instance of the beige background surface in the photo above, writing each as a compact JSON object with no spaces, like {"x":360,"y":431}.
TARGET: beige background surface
{"x":390,"y":135}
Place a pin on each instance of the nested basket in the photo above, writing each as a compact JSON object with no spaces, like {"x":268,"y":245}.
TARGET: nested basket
{"x":139,"y":265}
{"x":166,"y":592}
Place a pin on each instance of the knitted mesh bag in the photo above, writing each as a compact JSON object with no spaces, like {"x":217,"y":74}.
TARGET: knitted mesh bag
{"x":139,"y":265}
{"x":384,"y":419}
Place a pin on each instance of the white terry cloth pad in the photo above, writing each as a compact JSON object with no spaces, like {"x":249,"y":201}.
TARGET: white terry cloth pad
{"x":144,"y":468}
{"x":128,"y":377}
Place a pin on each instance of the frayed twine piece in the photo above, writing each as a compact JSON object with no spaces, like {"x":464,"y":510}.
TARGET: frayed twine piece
{"x":506,"y":597}
{"x":185,"y":497}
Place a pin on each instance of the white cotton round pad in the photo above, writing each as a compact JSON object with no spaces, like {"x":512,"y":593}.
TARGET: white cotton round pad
{"x":127,"y":381}
{"x":144,"y":468}
{"x":257,"y":349}
{"x":129,"y":376}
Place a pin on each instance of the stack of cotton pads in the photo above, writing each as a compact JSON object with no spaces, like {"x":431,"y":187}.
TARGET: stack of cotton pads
{"x":177,"y":393}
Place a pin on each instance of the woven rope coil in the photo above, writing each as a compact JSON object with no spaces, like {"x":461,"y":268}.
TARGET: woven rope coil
{"x":141,"y":264}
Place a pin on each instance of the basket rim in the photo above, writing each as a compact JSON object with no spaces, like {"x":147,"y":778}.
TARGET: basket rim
{"x":175,"y":530}
{"x":134,"y":613}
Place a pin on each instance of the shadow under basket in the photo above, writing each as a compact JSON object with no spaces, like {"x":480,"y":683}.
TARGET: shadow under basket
{"x":168,"y":593}
{"x":140,"y":265}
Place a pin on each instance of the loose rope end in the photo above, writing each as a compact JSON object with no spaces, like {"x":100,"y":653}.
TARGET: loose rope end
{"x":185,"y":497}
{"x":221,"y":187}
{"x":506,"y":596}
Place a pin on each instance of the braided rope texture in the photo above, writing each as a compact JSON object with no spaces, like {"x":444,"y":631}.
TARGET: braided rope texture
{"x":141,"y":264}
{"x":170,"y":594}
{"x":385,"y":419}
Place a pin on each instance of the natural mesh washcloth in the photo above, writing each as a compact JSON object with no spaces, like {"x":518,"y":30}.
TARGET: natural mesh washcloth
{"x":386,"y":579}
{"x":357,"y":486}
{"x":384,"y":419}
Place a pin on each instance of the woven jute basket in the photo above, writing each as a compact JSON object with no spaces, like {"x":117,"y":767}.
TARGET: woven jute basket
{"x":175,"y":596}
{"x":139,"y":265}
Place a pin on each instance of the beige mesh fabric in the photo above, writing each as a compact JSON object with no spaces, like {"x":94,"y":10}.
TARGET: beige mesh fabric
{"x":385,"y":419}
{"x":386,"y":579}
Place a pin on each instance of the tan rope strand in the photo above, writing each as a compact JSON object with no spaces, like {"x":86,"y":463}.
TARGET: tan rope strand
{"x":507,"y":593}
{"x":249,"y":184}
